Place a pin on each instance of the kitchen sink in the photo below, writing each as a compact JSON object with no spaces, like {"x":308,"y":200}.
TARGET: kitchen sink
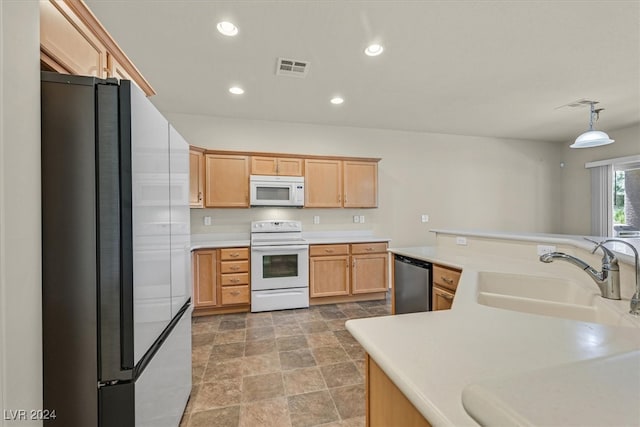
{"x":546,"y":296}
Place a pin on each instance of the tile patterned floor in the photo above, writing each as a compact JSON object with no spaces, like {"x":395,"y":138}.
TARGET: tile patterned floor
{"x":295,"y":368}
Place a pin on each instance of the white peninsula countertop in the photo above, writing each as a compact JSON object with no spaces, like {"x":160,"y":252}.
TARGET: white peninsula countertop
{"x":492,"y":356}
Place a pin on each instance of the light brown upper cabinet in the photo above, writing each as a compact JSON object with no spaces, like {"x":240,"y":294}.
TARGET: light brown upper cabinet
{"x":227,"y":181}
{"x":360,"y":184}
{"x":322,"y":183}
{"x":196,"y":178}
{"x":73,"y":41}
{"x":284,"y":166}
{"x":341,"y":183}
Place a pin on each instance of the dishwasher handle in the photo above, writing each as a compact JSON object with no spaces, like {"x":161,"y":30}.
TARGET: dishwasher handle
{"x":412,"y":261}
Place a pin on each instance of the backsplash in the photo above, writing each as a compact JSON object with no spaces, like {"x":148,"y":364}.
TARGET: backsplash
{"x":239,"y":220}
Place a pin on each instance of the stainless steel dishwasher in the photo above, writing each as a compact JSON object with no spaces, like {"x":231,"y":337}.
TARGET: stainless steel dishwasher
{"x":412,"y":285}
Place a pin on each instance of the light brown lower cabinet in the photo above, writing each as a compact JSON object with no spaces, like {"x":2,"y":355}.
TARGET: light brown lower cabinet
{"x":221,"y":281}
{"x":386,"y":405}
{"x":445,"y":283}
{"x":344,"y":272}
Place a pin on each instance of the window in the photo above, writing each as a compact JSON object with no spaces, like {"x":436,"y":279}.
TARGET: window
{"x":615,"y":197}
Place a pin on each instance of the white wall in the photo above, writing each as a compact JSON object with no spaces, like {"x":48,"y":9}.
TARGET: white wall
{"x":576,"y":180}
{"x":459,"y":181}
{"x":20,"y":271}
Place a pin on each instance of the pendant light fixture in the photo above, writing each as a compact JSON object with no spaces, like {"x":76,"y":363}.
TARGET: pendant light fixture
{"x":592,"y":138}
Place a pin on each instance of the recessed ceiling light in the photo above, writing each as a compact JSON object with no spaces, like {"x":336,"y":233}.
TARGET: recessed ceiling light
{"x":373,"y":50}
{"x":236,"y":90}
{"x":336,"y":100}
{"x":227,"y":28}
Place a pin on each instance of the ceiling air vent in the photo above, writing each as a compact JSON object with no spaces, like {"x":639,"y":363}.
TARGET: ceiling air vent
{"x":292,"y":67}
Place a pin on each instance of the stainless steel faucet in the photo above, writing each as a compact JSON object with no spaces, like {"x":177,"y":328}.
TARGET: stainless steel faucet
{"x":608,"y":280}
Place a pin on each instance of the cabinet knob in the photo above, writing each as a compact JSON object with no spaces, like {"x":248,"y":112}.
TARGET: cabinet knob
{"x":235,"y":280}
{"x":447,"y":297}
{"x":447,"y":280}
{"x":235,"y":268}
{"x":235,"y":293}
{"x":234,"y":255}
{"x":199,"y":196}
{"x":345,"y":197}
{"x":368,"y":249}
{"x":330,"y":251}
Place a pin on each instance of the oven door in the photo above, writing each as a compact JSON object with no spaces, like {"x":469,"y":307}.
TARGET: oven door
{"x":279,"y":267}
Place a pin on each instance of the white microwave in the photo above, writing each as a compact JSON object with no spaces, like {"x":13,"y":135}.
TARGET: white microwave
{"x":276,"y":190}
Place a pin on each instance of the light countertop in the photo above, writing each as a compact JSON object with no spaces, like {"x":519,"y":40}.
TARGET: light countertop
{"x":223,"y":240}
{"x":434,"y":357}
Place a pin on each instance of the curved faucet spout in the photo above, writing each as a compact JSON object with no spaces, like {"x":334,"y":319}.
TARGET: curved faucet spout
{"x":592,"y":272}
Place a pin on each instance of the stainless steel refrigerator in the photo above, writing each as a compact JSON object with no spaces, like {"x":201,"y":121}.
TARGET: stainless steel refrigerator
{"x":116,"y":294}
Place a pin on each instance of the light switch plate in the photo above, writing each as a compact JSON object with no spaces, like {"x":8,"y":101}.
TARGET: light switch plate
{"x":207,"y":220}
{"x":356,"y":218}
{"x":361,"y":219}
{"x":424,"y":218}
{"x":461,"y":241}
{"x":316,"y":219}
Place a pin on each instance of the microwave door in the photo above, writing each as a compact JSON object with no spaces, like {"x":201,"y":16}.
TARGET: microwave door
{"x":271,"y":194}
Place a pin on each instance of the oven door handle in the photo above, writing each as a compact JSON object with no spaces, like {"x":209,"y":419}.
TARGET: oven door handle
{"x":278,"y":248}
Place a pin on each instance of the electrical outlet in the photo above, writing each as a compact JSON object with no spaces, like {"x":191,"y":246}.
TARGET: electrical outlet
{"x":545,"y":249}
{"x":461,"y":241}
{"x":356,"y":218}
{"x":424,"y":218}
{"x":207,"y":220}
{"x":316,"y":219}
{"x":361,"y":219}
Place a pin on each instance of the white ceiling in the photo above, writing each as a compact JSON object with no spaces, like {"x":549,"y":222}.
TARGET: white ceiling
{"x":490,"y":68}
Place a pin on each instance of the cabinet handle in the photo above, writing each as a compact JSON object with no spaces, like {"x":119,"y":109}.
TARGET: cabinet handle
{"x":354,"y":263}
{"x":345,"y":197}
{"x":446,"y":296}
{"x":234,"y":255}
{"x":330,"y":251}
{"x":446,"y":280}
{"x":234,"y":267}
{"x":235,"y":293}
{"x":339,"y":199}
{"x":368,"y":249}
{"x":199,"y":196}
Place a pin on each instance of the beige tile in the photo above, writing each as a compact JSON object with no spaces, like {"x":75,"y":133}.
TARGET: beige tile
{"x":288,"y":330}
{"x":264,"y":333}
{"x":260,"y":387}
{"x":345,"y":337}
{"x":203,"y":339}
{"x":218,"y":394}
{"x":196,"y":373}
{"x":253,"y":348}
{"x":336,"y":325}
{"x":260,"y":364}
{"x":265,"y":413}
{"x":311,"y":409}
{"x":220,"y":417}
{"x":341,"y":374}
{"x":314,"y":326}
{"x":349,"y":400}
{"x":303,"y":380}
{"x":232,"y":324}
{"x":351,"y":422}
{"x":286,"y":319}
{"x":361,"y":366}
{"x":228,"y":337}
{"x":329,"y":355}
{"x":226,"y":351}
{"x":223,"y":370}
{"x":333,"y":314}
{"x":294,"y":342}
{"x":200,"y":355}
{"x":355,"y":313}
{"x":296,"y":359}
{"x":322,"y":339}
{"x":355,"y":351}
{"x":259,"y":322}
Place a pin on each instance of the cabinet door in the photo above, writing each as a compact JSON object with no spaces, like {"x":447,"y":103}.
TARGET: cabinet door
{"x":264,"y":165}
{"x":360,"y":184}
{"x":67,"y":45}
{"x":329,"y":276}
{"x":196,"y":179}
{"x":369,"y":273}
{"x":289,"y":166}
{"x":442,"y":299}
{"x":227,"y":181}
{"x":204,"y":278}
{"x":323,"y":183}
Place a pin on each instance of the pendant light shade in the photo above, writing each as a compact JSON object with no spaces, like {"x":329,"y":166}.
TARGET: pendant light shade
{"x":592,"y":138}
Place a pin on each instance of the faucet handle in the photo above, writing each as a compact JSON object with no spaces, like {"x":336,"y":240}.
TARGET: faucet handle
{"x":608,"y":256}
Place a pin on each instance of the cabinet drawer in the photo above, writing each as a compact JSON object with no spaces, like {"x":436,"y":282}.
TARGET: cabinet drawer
{"x":446,"y":277}
{"x":235,"y":295}
{"x":232,"y":254}
{"x":368,"y":248}
{"x":320,"y":250}
{"x":442,"y":299}
{"x":234,"y":279}
{"x":234,"y":266}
